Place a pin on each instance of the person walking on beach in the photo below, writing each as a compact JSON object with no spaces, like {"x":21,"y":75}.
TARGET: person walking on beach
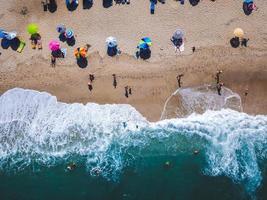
{"x":126,"y":92}
{"x":217,"y":76}
{"x":179,"y":77}
{"x":91,"y":77}
{"x":114,"y":81}
{"x":130,"y":91}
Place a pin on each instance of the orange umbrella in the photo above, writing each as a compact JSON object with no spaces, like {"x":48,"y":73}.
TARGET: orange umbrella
{"x":80,"y":52}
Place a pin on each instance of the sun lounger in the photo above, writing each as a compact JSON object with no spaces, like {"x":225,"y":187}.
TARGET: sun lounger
{"x":21,"y":46}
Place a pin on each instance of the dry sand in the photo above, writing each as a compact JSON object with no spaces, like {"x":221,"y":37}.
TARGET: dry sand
{"x":208,"y":26}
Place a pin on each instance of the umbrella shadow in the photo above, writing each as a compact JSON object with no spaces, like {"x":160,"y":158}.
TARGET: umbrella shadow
{"x":194,"y":2}
{"x":57,"y":54}
{"x":87,"y":4}
{"x":145,"y":53}
{"x":72,"y":6}
{"x":14,"y":43}
{"x":235,"y":42}
{"x":71,"y":41}
{"x":107,"y":3}
{"x":52,"y":6}
{"x":246,"y":9}
{"x":112,"y":51}
{"x":82,"y":62}
{"x":62,"y":37}
{"x":5,"y":44}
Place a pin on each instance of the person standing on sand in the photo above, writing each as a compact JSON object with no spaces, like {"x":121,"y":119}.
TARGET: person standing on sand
{"x":130,"y":91}
{"x":179,"y":77}
{"x":217,"y":76}
{"x":90,"y":86}
{"x":126,"y":92}
{"x":114,"y":81}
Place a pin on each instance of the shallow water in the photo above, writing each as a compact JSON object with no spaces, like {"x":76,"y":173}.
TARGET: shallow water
{"x":120,"y":155}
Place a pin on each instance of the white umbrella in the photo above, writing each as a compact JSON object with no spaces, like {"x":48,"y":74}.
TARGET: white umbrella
{"x":111,"y":42}
{"x":178,"y":34}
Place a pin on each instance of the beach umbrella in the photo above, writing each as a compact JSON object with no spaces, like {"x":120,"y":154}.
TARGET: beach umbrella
{"x":238,"y":32}
{"x":61,"y":28}
{"x":178,"y":34}
{"x":80,"y":52}
{"x":54,"y":45}
{"x":144,"y":43}
{"x":2,"y":33}
{"x":32,"y":28}
{"x":111,"y":42}
{"x":147,"y":40}
{"x":69,"y":33}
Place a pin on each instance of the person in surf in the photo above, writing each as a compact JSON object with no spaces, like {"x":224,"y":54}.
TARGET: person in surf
{"x":71,"y":166}
{"x":217,"y":76}
{"x":219,"y":88}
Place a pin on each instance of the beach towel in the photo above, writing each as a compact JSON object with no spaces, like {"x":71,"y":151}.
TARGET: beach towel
{"x":21,"y":46}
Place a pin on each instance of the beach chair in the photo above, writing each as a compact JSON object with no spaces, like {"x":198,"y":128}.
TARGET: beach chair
{"x":21,"y":46}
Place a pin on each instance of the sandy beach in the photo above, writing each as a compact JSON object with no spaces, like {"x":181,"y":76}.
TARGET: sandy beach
{"x":208,"y":26}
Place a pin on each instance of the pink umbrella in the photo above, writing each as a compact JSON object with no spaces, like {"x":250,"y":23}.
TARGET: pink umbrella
{"x":54,"y":45}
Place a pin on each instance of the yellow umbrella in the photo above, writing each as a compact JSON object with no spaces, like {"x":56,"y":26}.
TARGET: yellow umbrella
{"x":238,"y":32}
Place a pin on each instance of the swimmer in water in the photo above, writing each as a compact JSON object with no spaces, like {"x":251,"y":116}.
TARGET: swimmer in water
{"x":167,"y":165}
{"x":196,"y":152}
{"x":71,"y":166}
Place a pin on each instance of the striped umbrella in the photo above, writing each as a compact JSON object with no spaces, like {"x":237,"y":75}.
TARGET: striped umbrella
{"x":145,"y":43}
{"x":69,"y":33}
{"x":80,"y":52}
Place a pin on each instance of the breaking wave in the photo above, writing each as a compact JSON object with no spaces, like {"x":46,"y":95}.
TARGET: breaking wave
{"x":38,"y":131}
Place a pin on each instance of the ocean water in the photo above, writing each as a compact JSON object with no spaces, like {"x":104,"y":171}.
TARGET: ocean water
{"x":121,"y":155}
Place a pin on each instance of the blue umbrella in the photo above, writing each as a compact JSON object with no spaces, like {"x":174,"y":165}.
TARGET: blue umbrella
{"x":2,"y":33}
{"x":143,"y":46}
{"x":69,"y":33}
{"x":147,"y":40}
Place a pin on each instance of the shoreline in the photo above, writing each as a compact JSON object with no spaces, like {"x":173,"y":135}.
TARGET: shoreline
{"x":152,"y":82}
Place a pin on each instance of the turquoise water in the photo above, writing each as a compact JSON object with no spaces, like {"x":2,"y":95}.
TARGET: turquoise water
{"x":120,"y":155}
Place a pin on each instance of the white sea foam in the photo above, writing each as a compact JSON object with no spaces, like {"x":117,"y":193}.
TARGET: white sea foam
{"x":35,"y":128}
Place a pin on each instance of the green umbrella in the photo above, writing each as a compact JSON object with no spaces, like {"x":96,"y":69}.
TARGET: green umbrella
{"x":32,"y":28}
